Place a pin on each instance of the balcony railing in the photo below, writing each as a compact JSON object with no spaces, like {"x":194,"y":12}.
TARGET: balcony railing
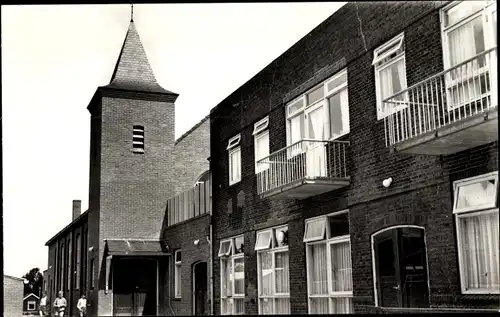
{"x":454,"y":95}
{"x":189,"y":204}
{"x":303,"y":160}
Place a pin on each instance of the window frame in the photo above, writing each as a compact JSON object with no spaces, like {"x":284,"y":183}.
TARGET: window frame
{"x":177,"y":275}
{"x":31,"y":302}
{"x":233,"y":146}
{"x":308,"y":222}
{"x":471,"y":212}
{"x":262,"y":166}
{"x":328,"y":241}
{"x":272,"y":250}
{"x":379,"y":65}
{"x":303,"y":98}
{"x":231,"y":256}
{"x":269,"y":244}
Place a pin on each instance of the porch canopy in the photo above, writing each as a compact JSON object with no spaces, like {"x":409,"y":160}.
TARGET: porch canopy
{"x":137,"y":247}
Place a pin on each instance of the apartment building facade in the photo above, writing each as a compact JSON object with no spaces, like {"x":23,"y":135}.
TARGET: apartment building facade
{"x":143,"y":245}
{"x":358,"y":171}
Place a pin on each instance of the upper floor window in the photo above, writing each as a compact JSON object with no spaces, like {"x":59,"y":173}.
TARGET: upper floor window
{"x":234,"y":159}
{"x":390,"y":76}
{"x":177,"y":273}
{"x":273,"y":271}
{"x":329,"y":267}
{"x":261,"y":143}
{"x":138,"y":139}
{"x":78,"y":250}
{"x":232,"y":275}
{"x":321,"y":113}
{"x":477,"y":225}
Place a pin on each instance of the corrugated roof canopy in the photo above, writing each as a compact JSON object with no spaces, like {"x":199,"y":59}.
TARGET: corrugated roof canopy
{"x":136,"y":247}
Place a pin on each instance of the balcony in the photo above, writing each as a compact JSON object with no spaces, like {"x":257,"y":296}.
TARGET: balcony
{"x":449,"y":112}
{"x":303,"y":169}
{"x":189,"y":204}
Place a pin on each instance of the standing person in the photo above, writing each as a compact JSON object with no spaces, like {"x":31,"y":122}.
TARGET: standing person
{"x":82,"y":305}
{"x":60,"y":304}
{"x":42,"y":307}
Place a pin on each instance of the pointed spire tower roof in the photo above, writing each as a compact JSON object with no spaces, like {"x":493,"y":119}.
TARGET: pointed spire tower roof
{"x":132,"y":70}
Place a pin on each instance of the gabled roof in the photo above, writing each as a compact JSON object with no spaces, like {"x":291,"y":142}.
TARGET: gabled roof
{"x":132,"y":70}
{"x":65,"y":229}
{"x":30,"y":295}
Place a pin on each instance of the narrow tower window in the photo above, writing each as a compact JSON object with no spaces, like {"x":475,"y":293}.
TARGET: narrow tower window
{"x":138,"y":139}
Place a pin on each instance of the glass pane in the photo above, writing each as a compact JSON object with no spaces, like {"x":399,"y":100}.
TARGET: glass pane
{"x":296,"y":106}
{"x":480,"y":251}
{"x":263,"y":240}
{"x":315,"y":95}
{"x":392,"y":79}
{"x":282,"y":237}
{"x":339,"y":113}
{"x":339,"y":225}
{"x":319,"y":305}
{"x":315,"y":229}
{"x":297,"y":128}
{"x":228,"y":276}
{"x":239,"y":306}
{"x":282,"y":306}
{"x":337,"y":82}
{"x":235,"y":164}
{"x":316,"y":124}
{"x":266,"y":273}
{"x":341,"y":267}
{"x":317,"y":267}
{"x":462,"y":11}
{"x":342,"y":305}
{"x":227,"y":306}
{"x":262,"y":146}
{"x":266,"y":306}
{"x":282,"y":282}
{"x":224,"y":247}
{"x":239,"y":276}
{"x":476,"y":194}
{"x":466,"y":41}
{"x":238,"y":245}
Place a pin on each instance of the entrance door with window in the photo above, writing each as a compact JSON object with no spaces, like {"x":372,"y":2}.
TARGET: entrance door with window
{"x":315,"y":151}
{"x":200,"y":281}
{"x":401,"y":268}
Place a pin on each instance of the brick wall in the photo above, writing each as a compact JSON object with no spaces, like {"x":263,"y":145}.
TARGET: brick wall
{"x":421,"y":190}
{"x":181,"y":237}
{"x":191,"y":155}
{"x":12,"y":296}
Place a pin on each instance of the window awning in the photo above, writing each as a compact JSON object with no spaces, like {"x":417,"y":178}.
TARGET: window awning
{"x":137,"y":247}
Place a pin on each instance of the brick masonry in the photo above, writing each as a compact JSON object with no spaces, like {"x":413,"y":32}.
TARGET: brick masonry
{"x":421,"y":193}
{"x":13,"y":289}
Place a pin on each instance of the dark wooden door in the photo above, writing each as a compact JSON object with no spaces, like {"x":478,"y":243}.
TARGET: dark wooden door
{"x":200,"y":289}
{"x":134,"y":287}
{"x":401,"y":268}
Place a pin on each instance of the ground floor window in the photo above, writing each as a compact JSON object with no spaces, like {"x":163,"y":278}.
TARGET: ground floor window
{"x":400,"y":264}
{"x":31,"y":305}
{"x":477,"y":225}
{"x":329,"y":267}
{"x":273,"y":271}
{"x":232,"y":265}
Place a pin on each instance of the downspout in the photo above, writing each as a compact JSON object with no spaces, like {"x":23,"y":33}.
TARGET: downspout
{"x":211,"y":251}
{"x":170,"y":288}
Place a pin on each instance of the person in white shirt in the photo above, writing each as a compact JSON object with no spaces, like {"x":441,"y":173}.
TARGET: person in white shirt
{"x":42,"y":307}
{"x":82,"y":305}
{"x":60,"y":304}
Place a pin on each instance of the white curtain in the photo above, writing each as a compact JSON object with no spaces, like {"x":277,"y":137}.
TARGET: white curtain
{"x":342,"y":305}
{"x":296,"y":128}
{"x":266,"y":271}
{"x":262,"y":150}
{"x":392,"y":80}
{"x":341,"y":267}
{"x":236,"y":164}
{"x":318,"y":269}
{"x":239,"y":306}
{"x":344,"y":101}
{"x":480,"y":247}
{"x":239,"y":276}
{"x":282,"y":306}
{"x":281,"y":269}
{"x":316,"y":152}
{"x":319,"y":305}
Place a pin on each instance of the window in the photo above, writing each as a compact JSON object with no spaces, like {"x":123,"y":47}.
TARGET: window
{"x":476,"y":210}
{"x":390,"y":76}
{"x":232,"y":283}
{"x":177,"y":273}
{"x":261,"y":140}
{"x":92,"y":274}
{"x":273,"y":271}
{"x":138,"y":139}
{"x":205,"y":177}
{"x":321,"y":113}
{"x":78,"y":260}
{"x":70,"y":261}
{"x":329,"y":268}
{"x":234,"y":159}
{"x":31,"y":305}
{"x":61,"y":268}
{"x":468,"y":31}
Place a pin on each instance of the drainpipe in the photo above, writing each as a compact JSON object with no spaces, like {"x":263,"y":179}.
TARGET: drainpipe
{"x":211,"y":271}
{"x":170,"y":288}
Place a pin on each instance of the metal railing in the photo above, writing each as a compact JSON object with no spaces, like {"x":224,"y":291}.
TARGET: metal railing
{"x":305,"y":159}
{"x":189,"y":204}
{"x":455,"y":94}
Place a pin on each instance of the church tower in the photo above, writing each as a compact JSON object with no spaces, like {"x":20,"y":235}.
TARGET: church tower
{"x":131,"y":160}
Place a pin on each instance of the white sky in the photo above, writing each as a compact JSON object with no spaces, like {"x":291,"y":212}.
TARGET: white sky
{"x":55,"y":56}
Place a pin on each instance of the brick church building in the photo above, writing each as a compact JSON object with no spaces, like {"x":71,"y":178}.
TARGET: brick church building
{"x":144,"y":242}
